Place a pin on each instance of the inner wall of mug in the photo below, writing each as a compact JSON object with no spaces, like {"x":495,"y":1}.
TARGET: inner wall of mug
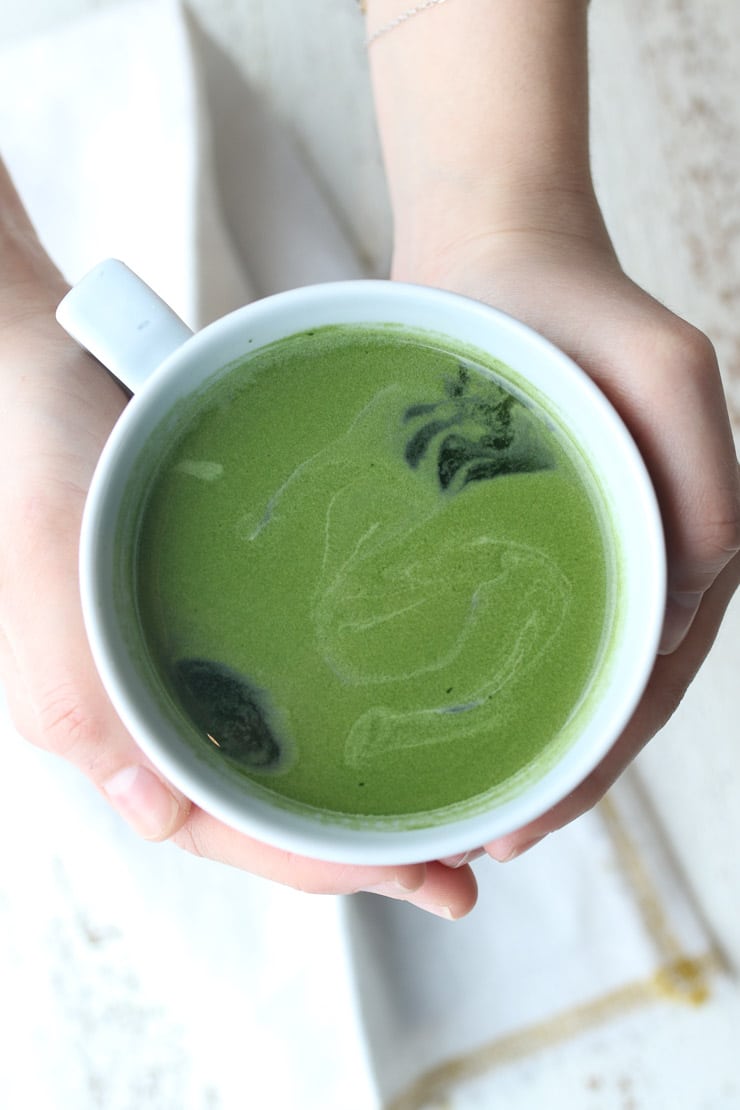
{"x":594,"y":723}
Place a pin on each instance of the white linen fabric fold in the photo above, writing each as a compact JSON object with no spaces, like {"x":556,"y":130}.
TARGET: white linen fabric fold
{"x":116,"y":154}
{"x":591,"y":926}
{"x":137,"y":976}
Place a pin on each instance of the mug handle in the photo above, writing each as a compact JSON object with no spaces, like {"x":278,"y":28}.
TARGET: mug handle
{"x":115,"y":316}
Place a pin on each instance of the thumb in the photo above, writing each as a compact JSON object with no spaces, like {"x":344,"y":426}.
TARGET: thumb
{"x":55,"y":696}
{"x":680,"y":421}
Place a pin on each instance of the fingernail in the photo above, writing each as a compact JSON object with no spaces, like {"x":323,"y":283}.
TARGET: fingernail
{"x":680,"y":610}
{"x":389,"y":889}
{"x":438,"y":910}
{"x":144,"y":801}
{"x":508,"y":853}
{"x":465,"y":857}
{"x":398,"y":885}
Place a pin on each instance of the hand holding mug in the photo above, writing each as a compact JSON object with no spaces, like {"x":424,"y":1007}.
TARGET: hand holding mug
{"x":662,"y":376}
{"x":58,"y":409}
{"x":371,"y":572}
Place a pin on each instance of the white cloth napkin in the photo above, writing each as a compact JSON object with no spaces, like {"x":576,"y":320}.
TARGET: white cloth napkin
{"x":113,"y":148}
{"x":591,"y":926}
{"x":138,"y":974}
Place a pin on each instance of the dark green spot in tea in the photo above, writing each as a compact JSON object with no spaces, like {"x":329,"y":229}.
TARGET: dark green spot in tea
{"x":228,"y":710}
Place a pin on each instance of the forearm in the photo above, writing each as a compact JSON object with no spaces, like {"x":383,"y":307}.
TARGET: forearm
{"x":482,"y":107}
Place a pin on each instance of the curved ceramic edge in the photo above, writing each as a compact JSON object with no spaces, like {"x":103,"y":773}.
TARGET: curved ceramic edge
{"x":627,"y":489}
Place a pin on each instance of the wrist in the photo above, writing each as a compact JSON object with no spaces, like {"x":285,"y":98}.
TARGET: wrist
{"x":501,"y":219}
{"x":483,"y":115}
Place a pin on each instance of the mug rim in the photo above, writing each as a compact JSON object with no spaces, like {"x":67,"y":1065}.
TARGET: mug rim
{"x":318,"y":835}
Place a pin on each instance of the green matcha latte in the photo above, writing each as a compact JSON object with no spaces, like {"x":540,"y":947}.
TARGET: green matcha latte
{"x":371,"y":574}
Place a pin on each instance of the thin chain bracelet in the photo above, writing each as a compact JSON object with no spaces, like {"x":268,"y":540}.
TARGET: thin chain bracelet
{"x":402,"y":18}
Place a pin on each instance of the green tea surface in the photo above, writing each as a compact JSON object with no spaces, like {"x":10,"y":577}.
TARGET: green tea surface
{"x":371,"y":573}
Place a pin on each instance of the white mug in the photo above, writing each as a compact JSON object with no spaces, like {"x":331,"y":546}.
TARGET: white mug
{"x":132,"y":332}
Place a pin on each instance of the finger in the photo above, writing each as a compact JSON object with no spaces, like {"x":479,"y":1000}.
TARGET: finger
{"x":463,"y":858}
{"x":671,"y":676}
{"x":431,"y":887}
{"x":446,"y":892}
{"x":450,"y":893}
{"x":55,"y":695}
{"x":679,"y":419}
{"x":204,"y":836}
